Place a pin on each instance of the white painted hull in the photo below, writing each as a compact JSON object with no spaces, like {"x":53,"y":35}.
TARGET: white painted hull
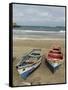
{"x":55,"y":63}
{"x":28,"y":70}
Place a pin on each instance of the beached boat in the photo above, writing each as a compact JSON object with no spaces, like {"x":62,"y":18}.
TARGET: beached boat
{"x":29,"y":63}
{"x":54,"y":58}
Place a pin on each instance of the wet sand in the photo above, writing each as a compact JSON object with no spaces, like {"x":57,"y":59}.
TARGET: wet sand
{"x":42,"y":75}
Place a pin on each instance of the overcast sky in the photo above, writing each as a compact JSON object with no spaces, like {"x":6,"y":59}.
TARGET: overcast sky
{"x":33,"y":15}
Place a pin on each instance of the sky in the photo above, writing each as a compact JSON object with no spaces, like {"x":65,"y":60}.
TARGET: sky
{"x":33,"y":15}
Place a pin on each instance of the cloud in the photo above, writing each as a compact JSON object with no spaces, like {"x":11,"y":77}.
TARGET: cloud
{"x":38,"y":15}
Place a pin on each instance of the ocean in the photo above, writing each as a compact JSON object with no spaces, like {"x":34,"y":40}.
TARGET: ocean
{"x":38,"y":32}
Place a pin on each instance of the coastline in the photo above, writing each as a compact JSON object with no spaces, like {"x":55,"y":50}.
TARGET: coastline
{"x":17,"y":38}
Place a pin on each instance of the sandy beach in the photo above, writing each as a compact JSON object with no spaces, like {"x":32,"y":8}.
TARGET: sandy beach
{"x":42,"y":75}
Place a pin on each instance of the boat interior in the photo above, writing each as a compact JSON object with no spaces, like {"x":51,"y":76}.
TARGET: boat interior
{"x":30,"y":59}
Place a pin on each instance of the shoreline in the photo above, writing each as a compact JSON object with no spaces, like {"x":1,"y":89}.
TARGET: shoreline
{"x":38,"y":38}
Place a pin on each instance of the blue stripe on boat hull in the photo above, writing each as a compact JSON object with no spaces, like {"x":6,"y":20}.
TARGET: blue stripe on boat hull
{"x":25,"y":74}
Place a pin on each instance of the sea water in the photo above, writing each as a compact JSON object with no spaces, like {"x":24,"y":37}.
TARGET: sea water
{"x":38,"y":32}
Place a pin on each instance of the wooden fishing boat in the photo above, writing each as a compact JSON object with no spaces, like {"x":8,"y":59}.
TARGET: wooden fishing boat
{"x":54,"y":58}
{"x":29,"y":63}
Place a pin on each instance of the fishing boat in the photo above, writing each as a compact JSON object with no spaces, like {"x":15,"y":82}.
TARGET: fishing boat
{"x":29,"y":62}
{"x":54,"y":58}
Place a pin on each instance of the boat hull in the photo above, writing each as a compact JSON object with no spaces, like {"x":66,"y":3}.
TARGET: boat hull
{"x":55,"y":63}
{"x":25,"y":74}
{"x":53,"y":66}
